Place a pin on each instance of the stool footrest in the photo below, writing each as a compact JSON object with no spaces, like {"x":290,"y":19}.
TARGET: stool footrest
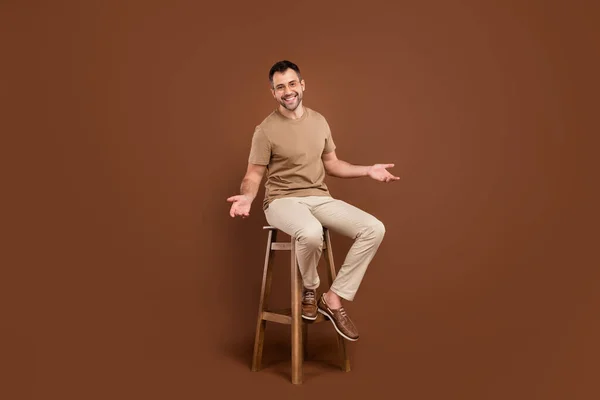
{"x":277,"y":317}
{"x":284,"y":316}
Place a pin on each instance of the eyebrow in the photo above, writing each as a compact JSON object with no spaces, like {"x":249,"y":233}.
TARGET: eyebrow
{"x":293,"y":80}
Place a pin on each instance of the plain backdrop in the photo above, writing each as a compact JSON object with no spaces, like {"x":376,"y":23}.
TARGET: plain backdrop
{"x":126,"y":125}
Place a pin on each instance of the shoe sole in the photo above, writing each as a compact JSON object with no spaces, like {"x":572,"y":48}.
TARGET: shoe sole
{"x":335,"y":326}
{"x":309,"y":318}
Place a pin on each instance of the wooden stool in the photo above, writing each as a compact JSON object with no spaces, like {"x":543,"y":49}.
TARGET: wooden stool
{"x":292,"y":316}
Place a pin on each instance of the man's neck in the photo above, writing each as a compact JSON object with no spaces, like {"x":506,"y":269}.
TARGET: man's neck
{"x":296,"y":114}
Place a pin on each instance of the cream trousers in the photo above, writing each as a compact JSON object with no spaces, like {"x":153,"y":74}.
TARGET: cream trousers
{"x":304,"y":218}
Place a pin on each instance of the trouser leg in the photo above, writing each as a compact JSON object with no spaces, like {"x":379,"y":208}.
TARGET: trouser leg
{"x":367,"y":232}
{"x":292,"y":216}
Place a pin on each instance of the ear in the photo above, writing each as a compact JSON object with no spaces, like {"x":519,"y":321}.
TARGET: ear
{"x":303,"y":85}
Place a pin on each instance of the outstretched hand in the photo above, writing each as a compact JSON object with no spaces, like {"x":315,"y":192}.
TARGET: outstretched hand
{"x":380,"y":173}
{"x":240,"y":207}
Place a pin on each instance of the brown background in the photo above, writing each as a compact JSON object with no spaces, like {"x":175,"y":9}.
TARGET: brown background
{"x":126,"y":125}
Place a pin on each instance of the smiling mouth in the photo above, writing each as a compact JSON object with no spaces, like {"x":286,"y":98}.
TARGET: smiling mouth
{"x":288,"y":99}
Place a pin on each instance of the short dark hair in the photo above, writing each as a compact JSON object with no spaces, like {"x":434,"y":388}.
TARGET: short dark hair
{"x":282,"y":66}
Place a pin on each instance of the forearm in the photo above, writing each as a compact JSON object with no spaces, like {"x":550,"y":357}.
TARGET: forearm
{"x":249,"y":188}
{"x":343,"y":169}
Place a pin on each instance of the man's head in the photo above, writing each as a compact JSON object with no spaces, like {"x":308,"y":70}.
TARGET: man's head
{"x":287,"y":84}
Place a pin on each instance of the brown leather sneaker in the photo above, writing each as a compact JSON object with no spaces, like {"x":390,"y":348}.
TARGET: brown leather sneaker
{"x":309,"y":304}
{"x":340,"y":320}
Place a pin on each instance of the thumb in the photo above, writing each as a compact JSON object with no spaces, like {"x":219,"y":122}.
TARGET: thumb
{"x":388,"y":165}
{"x":233,"y":198}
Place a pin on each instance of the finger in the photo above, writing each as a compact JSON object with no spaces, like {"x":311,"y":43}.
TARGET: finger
{"x":232,"y":198}
{"x":388,"y":165}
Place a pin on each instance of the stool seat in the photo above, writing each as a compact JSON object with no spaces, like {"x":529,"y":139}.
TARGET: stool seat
{"x":292,"y":316}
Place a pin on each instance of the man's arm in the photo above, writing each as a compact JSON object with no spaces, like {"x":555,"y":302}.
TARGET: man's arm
{"x":248,"y":189}
{"x":252,"y":179}
{"x":342,"y":169}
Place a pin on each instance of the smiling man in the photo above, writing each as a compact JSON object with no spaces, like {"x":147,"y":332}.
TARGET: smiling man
{"x":294,"y":145}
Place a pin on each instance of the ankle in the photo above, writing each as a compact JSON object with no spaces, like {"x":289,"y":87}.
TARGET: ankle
{"x":333,"y":300}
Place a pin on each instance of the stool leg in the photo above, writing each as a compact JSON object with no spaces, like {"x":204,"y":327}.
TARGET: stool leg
{"x":263,"y":303}
{"x":296,"y":282}
{"x":345,"y":360}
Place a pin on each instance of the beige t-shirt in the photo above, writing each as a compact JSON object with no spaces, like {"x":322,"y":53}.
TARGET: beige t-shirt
{"x":291,"y":150}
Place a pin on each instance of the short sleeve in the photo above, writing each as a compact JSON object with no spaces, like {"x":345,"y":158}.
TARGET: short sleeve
{"x":260,"y":151}
{"x":329,"y":143}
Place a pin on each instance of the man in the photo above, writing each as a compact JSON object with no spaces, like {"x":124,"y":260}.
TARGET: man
{"x":294,"y":144}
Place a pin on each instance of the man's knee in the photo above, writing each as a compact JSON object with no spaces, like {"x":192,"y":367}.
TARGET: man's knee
{"x":311,"y":236}
{"x":375,"y":230}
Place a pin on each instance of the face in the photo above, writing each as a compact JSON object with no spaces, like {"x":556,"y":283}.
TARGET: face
{"x":287,"y":89}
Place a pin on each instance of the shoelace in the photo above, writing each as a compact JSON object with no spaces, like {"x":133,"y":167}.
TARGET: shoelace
{"x":309,"y":296}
